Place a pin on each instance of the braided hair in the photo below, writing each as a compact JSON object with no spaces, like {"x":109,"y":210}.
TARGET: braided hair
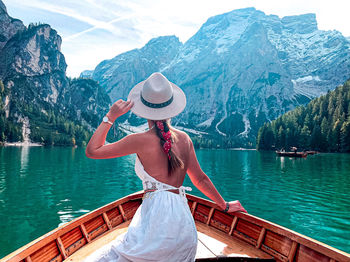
{"x":166,"y":140}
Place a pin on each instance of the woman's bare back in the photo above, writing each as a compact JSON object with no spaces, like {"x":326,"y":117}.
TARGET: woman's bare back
{"x":155,"y":161}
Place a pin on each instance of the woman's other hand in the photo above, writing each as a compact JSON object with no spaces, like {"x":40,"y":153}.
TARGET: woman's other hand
{"x":235,"y":206}
{"x":118,"y":109}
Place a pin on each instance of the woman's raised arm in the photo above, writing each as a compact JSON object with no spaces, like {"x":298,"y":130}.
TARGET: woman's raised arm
{"x":96,"y":147}
{"x":204,"y":184}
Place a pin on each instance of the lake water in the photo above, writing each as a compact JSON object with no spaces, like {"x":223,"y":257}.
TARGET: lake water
{"x":40,"y":188}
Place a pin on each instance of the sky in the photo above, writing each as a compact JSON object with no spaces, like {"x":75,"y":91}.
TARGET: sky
{"x":95,"y":30}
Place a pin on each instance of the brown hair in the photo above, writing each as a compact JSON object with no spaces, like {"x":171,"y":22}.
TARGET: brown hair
{"x":174,"y":162}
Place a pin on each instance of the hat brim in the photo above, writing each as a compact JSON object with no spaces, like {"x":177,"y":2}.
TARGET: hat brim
{"x":173,"y":109}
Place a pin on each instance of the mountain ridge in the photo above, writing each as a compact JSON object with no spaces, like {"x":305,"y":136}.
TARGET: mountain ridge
{"x":241,"y":69}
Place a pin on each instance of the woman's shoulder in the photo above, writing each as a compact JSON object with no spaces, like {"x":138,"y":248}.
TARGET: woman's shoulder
{"x":182,"y":135}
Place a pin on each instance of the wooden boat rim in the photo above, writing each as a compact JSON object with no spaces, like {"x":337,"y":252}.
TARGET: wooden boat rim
{"x":309,"y":242}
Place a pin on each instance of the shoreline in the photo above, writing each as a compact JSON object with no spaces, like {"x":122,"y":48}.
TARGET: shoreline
{"x":20,"y":144}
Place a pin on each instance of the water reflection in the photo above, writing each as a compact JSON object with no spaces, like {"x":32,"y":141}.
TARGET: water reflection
{"x":24,"y":159}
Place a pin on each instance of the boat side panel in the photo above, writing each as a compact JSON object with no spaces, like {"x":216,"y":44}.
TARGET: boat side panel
{"x":73,"y":240}
{"x":249,"y":229}
{"x":46,"y":253}
{"x":305,"y":254}
{"x":95,"y":226}
{"x":130,"y":208}
{"x":278,"y":243}
{"x":221,"y":221}
{"x":113,"y":213}
{"x":71,"y":237}
{"x":201,"y":213}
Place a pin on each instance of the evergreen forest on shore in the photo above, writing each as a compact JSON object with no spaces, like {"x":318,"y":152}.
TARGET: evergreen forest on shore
{"x":323,"y":125}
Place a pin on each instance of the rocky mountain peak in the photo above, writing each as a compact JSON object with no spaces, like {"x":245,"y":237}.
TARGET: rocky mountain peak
{"x":33,"y":51}
{"x":154,"y":56}
{"x":2,"y":8}
{"x":300,"y":24}
{"x":8,"y":26}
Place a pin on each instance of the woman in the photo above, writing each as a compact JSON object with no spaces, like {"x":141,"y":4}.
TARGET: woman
{"x":163,"y":228}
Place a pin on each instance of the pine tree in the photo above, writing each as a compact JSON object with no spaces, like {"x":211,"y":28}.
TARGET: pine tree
{"x":345,"y":137}
{"x":2,"y":88}
{"x":305,"y":137}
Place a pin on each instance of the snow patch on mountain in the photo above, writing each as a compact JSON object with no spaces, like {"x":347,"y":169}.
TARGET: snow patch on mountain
{"x":299,"y":87}
{"x":217,"y":125}
{"x":207,"y":122}
{"x":246,"y":126}
{"x":190,"y":130}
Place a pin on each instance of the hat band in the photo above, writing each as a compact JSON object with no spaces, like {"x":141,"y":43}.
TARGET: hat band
{"x":152,"y":105}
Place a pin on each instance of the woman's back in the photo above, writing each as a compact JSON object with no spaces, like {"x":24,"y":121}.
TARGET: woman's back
{"x":155,"y":161}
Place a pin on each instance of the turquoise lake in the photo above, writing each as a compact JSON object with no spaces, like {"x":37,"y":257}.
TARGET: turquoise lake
{"x":40,"y":188}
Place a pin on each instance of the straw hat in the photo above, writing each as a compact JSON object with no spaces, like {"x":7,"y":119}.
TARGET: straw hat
{"x":156,"y":98}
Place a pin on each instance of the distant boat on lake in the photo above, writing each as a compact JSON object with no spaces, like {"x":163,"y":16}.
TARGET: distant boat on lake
{"x":312,"y":152}
{"x":291,"y":154}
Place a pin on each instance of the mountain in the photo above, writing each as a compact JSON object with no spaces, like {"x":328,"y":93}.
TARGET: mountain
{"x":238,"y":71}
{"x":136,"y":65}
{"x":37,"y":99}
{"x":324,"y":125}
{"x":86,"y":74}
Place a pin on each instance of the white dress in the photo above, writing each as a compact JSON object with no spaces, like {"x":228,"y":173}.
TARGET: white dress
{"x":162,"y":228}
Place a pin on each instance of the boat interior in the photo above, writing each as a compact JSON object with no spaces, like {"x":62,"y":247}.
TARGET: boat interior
{"x":213,"y":245}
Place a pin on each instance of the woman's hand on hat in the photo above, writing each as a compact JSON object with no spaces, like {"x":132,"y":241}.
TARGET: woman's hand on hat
{"x":235,"y":206}
{"x":119,"y":108}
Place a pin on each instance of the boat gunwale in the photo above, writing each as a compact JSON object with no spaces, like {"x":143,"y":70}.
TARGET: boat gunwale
{"x":33,"y":246}
{"x":278,"y":229}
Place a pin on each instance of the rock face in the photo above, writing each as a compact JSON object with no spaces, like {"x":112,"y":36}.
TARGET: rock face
{"x":134,"y":66}
{"x":33,"y":73}
{"x":8,"y":25}
{"x":86,"y":101}
{"x":239,"y":70}
{"x":32,"y":60}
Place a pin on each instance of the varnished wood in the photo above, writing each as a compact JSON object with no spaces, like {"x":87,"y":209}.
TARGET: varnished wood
{"x":121,"y":210}
{"x":232,"y":246}
{"x":292,"y":251}
{"x":105,"y":218}
{"x":261,"y":237}
{"x":193,"y":208}
{"x":28,"y":259}
{"x":85,"y":233}
{"x":61,"y":247}
{"x":99,"y":242}
{"x":233,"y":225}
{"x":210,"y":215}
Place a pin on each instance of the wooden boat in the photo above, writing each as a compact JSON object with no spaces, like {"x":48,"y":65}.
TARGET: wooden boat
{"x":311,"y":152}
{"x":292,"y":154}
{"x":222,"y":236}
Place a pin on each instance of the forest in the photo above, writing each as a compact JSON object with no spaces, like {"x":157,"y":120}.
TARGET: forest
{"x":323,"y":125}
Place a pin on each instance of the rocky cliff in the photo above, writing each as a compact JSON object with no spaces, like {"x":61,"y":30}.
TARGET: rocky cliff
{"x":36,"y":91}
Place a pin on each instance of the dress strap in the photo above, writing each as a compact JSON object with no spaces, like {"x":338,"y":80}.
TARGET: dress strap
{"x":182,"y":192}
